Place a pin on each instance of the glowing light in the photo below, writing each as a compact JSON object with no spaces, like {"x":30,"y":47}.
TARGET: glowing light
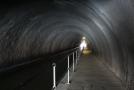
{"x":83,"y":44}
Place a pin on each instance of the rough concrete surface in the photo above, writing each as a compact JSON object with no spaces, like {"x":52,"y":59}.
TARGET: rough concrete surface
{"x":92,"y":75}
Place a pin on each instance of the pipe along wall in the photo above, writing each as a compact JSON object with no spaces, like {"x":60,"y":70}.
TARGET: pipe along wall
{"x":38,"y":28}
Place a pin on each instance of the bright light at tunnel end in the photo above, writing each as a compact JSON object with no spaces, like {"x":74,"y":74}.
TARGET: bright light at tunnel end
{"x":83,"y":43}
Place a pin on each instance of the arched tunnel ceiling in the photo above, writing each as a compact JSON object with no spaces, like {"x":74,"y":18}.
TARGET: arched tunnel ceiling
{"x":41,"y":27}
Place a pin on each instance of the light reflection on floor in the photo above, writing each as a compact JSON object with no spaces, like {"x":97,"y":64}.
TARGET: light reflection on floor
{"x":86,"y":52}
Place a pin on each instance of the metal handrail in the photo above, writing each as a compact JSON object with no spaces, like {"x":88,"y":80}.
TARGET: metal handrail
{"x":6,"y":68}
{"x":68,"y":68}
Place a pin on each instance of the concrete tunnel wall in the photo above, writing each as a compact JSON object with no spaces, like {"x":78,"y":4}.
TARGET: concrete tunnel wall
{"x":39,"y":28}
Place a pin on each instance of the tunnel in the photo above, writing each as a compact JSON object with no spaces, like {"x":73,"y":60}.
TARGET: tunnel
{"x":36,"y":31}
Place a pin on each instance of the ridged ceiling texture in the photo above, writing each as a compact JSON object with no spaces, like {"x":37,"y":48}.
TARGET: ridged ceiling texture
{"x":40,"y":28}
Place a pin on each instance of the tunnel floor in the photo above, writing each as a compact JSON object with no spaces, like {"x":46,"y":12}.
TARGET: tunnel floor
{"x":92,"y":75}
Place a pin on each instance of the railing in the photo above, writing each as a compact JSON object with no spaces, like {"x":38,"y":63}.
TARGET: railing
{"x":75,"y":62}
{"x":35,"y":66}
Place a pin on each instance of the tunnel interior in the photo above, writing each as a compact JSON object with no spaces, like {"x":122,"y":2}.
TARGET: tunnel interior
{"x":33,"y":29}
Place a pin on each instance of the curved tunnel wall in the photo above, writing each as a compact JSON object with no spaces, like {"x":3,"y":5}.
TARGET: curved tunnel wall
{"x":41,"y":28}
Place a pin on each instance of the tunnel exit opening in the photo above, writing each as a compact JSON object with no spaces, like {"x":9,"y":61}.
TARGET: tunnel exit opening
{"x":85,"y":46}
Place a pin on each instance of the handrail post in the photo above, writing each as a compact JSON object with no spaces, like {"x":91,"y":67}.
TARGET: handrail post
{"x":76,"y":57}
{"x":73,"y":62}
{"x":54,"y":76}
{"x":68,"y":72}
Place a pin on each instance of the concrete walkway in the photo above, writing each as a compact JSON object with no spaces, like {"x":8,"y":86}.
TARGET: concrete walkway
{"x":92,"y":75}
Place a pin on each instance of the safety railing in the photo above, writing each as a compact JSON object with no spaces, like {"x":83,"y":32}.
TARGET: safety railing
{"x":76,"y":55}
